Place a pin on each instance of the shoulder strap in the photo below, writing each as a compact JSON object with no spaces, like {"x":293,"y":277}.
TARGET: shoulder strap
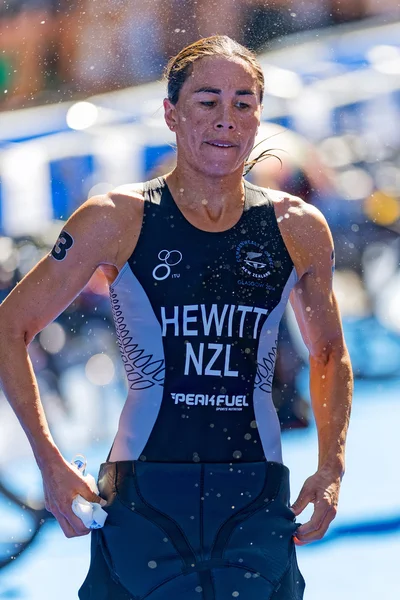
{"x":153,"y":189}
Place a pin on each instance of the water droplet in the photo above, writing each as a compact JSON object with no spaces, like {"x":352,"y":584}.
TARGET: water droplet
{"x":240,"y":560}
{"x":152,"y":564}
{"x":235,"y":594}
{"x":247,"y":436}
{"x":198,"y":589}
{"x":192,"y":517}
{"x":247,"y":575}
{"x":253,"y":424}
{"x":237,"y":454}
{"x":165,"y":539}
{"x":211,"y":424}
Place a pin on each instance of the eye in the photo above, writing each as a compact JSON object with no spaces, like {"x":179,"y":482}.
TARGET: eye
{"x":242,"y":105}
{"x":207,"y":103}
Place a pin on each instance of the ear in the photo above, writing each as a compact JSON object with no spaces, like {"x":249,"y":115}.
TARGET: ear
{"x":170,"y":115}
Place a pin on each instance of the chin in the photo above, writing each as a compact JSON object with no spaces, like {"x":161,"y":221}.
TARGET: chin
{"x":218,"y":170}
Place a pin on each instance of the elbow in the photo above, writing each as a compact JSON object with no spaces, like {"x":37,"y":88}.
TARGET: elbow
{"x":331,"y":352}
{"x":13,"y":331}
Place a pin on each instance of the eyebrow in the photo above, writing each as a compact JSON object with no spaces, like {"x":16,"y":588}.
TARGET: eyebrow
{"x":211,"y":90}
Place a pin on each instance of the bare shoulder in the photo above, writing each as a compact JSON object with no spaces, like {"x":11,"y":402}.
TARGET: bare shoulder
{"x":127,"y":199}
{"x":115,"y":219}
{"x":304,"y":230}
{"x":128,"y":189}
{"x":286,"y":206}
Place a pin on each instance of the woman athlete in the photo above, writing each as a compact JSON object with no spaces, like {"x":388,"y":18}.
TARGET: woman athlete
{"x":200,"y":266}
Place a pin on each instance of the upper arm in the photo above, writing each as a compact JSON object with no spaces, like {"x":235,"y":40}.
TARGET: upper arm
{"x":313,"y":299}
{"x":55,"y":282}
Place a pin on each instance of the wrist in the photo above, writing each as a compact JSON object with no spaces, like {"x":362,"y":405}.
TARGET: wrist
{"x":46,"y":453}
{"x":335,"y":465}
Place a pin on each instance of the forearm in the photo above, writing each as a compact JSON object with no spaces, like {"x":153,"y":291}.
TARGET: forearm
{"x":331,"y":386}
{"x":19,"y":385}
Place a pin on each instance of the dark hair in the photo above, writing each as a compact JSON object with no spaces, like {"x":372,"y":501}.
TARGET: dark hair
{"x":179,"y":67}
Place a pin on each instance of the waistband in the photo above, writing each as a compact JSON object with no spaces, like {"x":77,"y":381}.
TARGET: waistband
{"x":271,"y":479}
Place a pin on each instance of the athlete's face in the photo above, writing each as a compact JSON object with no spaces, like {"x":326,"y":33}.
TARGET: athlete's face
{"x":217,"y":115}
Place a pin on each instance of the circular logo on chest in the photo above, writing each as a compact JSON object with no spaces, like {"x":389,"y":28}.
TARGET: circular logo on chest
{"x":254,"y":260}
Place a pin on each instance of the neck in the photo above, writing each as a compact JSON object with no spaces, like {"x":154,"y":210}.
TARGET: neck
{"x":213,"y":197}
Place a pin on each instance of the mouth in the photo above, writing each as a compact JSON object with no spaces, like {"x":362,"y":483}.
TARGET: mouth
{"x":220,"y":144}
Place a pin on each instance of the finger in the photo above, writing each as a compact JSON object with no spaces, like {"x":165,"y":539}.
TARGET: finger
{"x":75,"y":522}
{"x":65,"y":511}
{"x":88,"y":494}
{"x":69,"y":530}
{"x":319,"y":533}
{"x":318,"y":516}
{"x":298,"y":542}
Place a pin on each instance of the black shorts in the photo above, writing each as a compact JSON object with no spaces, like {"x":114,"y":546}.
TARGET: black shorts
{"x":194,"y":532}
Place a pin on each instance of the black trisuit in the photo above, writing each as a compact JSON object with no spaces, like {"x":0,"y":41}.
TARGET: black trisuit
{"x":197,"y":495}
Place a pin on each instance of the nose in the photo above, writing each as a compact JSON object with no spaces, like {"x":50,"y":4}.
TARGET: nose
{"x":225,"y":119}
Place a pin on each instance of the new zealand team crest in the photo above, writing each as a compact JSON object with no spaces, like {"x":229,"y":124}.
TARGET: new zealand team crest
{"x":254,"y":260}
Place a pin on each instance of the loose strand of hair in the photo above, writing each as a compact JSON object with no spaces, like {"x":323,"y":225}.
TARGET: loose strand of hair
{"x":248,"y":165}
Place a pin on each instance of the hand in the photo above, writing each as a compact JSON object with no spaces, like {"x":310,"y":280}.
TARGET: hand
{"x":61,"y":483}
{"x":322,"y":489}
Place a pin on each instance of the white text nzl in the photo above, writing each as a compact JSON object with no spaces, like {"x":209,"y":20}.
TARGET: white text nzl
{"x":226,"y":321}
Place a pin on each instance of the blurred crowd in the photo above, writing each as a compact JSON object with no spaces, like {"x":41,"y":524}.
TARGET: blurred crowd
{"x":55,"y":50}
{"x":52,"y":50}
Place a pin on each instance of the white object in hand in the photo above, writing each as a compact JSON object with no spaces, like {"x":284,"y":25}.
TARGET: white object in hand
{"x":90,"y":513}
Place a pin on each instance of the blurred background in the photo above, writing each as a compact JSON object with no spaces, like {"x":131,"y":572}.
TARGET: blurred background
{"x":80,"y":112}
